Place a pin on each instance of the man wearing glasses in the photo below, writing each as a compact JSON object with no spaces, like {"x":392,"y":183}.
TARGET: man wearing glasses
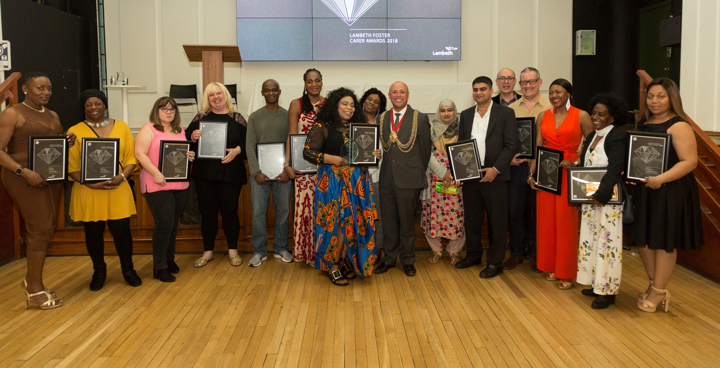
{"x":521,"y":199}
{"x":506,"y":84}
{"x":267,"y":125}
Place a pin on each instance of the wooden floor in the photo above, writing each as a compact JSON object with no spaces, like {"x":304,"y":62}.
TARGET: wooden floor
{"x":288,"y":315}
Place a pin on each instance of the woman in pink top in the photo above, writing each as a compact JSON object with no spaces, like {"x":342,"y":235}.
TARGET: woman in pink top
{"x":165,"y":200}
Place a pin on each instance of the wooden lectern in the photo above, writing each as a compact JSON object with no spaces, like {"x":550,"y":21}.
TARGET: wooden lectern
{"x":212,"y":58}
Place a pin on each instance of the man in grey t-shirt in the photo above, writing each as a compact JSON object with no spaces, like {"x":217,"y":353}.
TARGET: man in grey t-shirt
{"x":268,"y":124}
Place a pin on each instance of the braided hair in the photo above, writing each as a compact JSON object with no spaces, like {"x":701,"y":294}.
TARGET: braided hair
{"x":307,"y":106}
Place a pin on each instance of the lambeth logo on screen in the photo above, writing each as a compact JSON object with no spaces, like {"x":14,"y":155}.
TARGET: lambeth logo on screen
{"x":449,"y":51}
{"x":349,"y":10}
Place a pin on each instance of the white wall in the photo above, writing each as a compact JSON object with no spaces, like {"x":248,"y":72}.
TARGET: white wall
{"x":145,"y":37}
{"x":700,"y":62}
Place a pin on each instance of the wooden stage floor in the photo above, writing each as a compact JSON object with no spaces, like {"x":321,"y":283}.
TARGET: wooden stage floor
{"x":289,"y":315}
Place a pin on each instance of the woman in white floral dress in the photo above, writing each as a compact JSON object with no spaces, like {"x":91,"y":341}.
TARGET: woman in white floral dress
{"x":600,"y":248}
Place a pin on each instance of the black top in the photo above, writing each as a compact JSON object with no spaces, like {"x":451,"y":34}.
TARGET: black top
{"x":324,"y":140}
{"x":615,"y":148}
{"x":213,"y":169}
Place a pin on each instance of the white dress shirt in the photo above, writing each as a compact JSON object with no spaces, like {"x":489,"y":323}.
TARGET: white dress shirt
{"x":479,"y":130}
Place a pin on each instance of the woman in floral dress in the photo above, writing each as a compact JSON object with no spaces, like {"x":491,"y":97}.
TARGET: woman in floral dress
{"x":600,"y":248}
{"x":442,"y":213}
{"x":301,"y":118}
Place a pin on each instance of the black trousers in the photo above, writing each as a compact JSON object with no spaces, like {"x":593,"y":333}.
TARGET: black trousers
{"x":521,"y":204}
{"x":166,"y":207}
{"x":120,"y":230}
{"x":397,"y":208}
{"x":480,"y":198}
{"x":218,"y":196}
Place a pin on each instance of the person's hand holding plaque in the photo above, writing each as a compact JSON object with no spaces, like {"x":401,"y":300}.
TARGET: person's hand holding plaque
{"x":595,"y":202}
{"x":231,"y":154}
{"x":517,"y":161}
{"x":653,"y":182}
{"x":33,"y":179}
{"x":283,"y":178}
{"x":196,"y":135}
{"x":71,"y":139}
{"x":261,"y":179}
{"x":490,"y":174}
{"x":378,"y":154}
{"x":565,"y":164}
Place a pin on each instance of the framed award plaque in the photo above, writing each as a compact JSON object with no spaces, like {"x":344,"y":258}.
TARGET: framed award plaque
{"x":585,"y":181}
{"x":549,"y":172}
{"x":99,"y":160}
{"x":647,"y":155}
{"x":363,"y":141}
{"x":297,"y":160}
{"x":48,"y":156}
{"x":526,"y":137}
{"x":464,"y":160}
{"x":173,"y":162}
{"x":213,"y":141}
{"x":271,"y":159}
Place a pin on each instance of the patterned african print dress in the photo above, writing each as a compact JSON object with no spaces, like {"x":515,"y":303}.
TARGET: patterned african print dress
{"x":303,"y":224}
{"x":343,"y":199}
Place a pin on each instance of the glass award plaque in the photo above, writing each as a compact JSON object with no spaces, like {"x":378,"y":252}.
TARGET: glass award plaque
{"x":213,"y":141}
{"x":364,"y":138}
{"x":271,"y":159}
{"x":549,"y":172}
{"x":647,"y":155}
{"x":48,"y":156}
{"x":464,"y":160}
{"x":99,"y":160}
{"x":526,"y":137}
{"x":585,"y":181}
{"x":297,"y":160}
{"x":173,"y":162}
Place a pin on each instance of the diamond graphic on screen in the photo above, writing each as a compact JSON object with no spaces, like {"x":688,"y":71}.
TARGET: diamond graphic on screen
{"x":549,"y":166}
{"x":349,"y":10}
{"x":100,"y":156}
{"x":175,"y":157}
{"x":49,"y":155}
{"x":364,"y":141}
{"x":523,"y":133}
{"x":647,"y":153}
{"x":463,"y":158}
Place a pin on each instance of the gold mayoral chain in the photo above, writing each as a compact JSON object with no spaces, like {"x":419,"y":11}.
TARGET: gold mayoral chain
{"x":404,"y":148}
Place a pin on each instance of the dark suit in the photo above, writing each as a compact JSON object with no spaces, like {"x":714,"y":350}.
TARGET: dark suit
{"x":500,"y":146}
{"x":402,"y":176}
{"x":615,"y":148}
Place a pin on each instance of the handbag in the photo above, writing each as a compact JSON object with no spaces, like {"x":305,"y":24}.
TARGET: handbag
{"x":628,"y":209}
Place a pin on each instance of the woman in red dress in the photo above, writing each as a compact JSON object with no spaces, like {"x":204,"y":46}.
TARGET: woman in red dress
{"x":301,"y":117}
{"x":562,"y":128}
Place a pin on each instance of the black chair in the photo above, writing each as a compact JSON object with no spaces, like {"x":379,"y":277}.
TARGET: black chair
{"x":184,"y":95}
{"x":232,"y":89}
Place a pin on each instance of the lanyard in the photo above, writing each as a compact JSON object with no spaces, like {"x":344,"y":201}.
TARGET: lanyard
{"x":392,"y":121}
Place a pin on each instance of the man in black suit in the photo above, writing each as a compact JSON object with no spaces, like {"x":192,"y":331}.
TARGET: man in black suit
{"x":495,"y":130}
{"x":406,"y":142}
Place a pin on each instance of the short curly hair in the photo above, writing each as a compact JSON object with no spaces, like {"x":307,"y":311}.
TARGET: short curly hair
{"x":375,"y":91}
{"x":616,"y":106}
{"x":329,"y":112}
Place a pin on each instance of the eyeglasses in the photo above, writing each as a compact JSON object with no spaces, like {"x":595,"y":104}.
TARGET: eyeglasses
{"x":505,"y":79}
{"x":531,"y":82}
{"x":166,"y":110}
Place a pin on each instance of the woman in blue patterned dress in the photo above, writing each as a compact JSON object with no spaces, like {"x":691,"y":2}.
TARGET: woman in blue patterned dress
{"x":345,"y":214}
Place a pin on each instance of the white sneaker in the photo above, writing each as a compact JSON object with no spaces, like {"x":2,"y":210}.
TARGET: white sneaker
{"x":257,"y":260}
{"x":285,"y":256}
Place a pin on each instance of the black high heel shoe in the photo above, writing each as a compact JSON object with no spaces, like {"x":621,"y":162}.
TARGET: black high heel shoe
{"x":130,"y":276}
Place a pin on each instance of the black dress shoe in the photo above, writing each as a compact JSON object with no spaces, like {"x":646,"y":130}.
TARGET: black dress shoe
{"x":409,"y":269}
{"x":379,"y":258}
{"x":513,"y":261}
{"x":603,"y":301}
{"x":491,"y":271}
{"x":533,"y":265}
{"x":132,"y":278}
{"x":383,"y":267}
{"x":589,"y":292}
{"x":98,"y":278}
{"x":172,"y":266}
{"x":465,"y":263}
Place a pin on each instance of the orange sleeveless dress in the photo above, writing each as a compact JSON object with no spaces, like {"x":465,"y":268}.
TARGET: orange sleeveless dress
{"x":557,"y":221}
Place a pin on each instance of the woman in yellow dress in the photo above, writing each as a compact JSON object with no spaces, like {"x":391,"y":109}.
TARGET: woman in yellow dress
{"x":109,"y":201}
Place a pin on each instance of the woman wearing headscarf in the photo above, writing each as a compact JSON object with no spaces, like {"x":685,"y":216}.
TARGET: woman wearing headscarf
{"x":442,"y":213}
{"x":110,"y":201}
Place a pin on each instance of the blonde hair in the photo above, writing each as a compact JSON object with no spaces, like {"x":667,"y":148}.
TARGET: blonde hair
{"x":205,"y":107}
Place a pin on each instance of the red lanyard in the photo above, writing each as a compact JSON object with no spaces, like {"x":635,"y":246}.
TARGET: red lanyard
{"x":392,"y":121}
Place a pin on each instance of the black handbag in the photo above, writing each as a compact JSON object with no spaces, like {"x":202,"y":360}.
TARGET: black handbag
{"x":628,"y":209}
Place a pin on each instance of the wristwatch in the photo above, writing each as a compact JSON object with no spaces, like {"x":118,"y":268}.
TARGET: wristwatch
{"x":19,"y":171}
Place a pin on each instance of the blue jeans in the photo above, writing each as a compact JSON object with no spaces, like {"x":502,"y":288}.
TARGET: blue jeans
{"x":521,"y":216}
{"x":260,"y":199}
